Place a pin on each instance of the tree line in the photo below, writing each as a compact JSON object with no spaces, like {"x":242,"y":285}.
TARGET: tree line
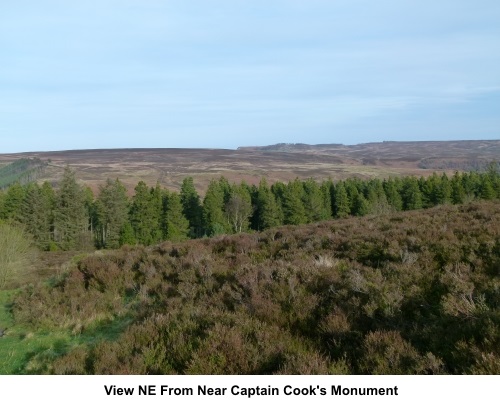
{"x":71,"y":217}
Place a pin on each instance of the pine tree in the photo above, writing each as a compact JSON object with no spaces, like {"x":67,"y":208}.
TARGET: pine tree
{"x":327,"y":198}
{"x":411,"y":194}
{"x":12,"y":203}
{"x":213,"y":210}
{"x":314,"y":202}
{"x":191,"y":207}
{"x":392,"y":193}
{"x":360,"y":206}
{"x":457,"y":194}
{"x":37,"y":215}
{"x":144,"y":215}
{"x":267,"y":211}
{"x":127,"y":236}
{"x":486,"y":190}
{"x":112,"y":213}
{"x":70,"y":214}
{"x":2,"y":200}
{"x":376,"y":199}
{"x":293,"y":208}
{"x":341,"y":204}
{"x":157,"y":198}
{"x":493,"y":172}
{"x":176,"y":226}
{"x":471,"y":185}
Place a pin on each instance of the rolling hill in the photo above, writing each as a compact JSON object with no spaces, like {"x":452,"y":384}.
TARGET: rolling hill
{"x":277,"y":162}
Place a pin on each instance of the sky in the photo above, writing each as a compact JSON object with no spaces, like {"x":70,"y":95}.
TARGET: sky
{"x":228,"y":73}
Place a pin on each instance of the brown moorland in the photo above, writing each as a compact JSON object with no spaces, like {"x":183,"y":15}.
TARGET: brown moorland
{"x":413,"y":292}
{"x":281,"y":162}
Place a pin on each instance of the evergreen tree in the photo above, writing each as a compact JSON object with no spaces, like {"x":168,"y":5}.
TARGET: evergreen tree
{"x":70,"y":214}
{"x":327,"y":197}
{"x":176,"y":226}
{"x":37,"y":214}
{"x":351,"y":188}
{"x":127,"y":236}
{"x":267,"y":210}
{"x":471,"y":182}
{"x":376,"y":200}
{"x":226,"y":188}
{"x":341,"y":206}
{"x":12,"y":203}
{"x":457,"y":194}
{"x":435,"y":190}
{"x":191,"y":207}
{"x":392,"y":193}
{"x":444,"y":193}
{"x":314,"y":202}
{"x":112,"y":213}
{"x":486,"y":190}
{"x":427,"y":188}
{"x":144,"y":215}
{"x":493,"y":172}
{"x":2,"y":200}
{"x":293,"y":208}
{"x":411,"y":194}
{"x":213,"y":212}
{"x":360,"y":206}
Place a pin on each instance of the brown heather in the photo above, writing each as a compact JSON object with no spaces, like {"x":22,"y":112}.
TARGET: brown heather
{"x":414,"y":292}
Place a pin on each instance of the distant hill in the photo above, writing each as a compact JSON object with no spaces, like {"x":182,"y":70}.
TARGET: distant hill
{"x":282,"y":162}
{"x":22,"y":171}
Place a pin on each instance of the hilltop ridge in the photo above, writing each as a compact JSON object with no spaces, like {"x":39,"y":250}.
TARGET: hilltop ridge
{"x":282,"y":162}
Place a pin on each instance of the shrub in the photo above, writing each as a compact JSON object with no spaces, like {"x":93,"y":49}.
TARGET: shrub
{"x":16,"y":253}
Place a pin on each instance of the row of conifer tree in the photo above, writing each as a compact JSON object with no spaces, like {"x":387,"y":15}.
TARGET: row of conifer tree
{"x":71,"y":217}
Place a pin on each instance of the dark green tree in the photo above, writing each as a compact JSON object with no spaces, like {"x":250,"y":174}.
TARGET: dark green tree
{"x":341,"y":205}
{"x":352,"y":188}
{"x":457,"y":194}
{"x":13,"y":202}
{"x":213,"y":210}
{"x":266,"y":209}
{"x":294,"y":212}
{"x":486,"y":190}
{"x":176,"y":226}
{"x":144,"y":216}
{"x":360,"y":205}
{"x":112,"y":214}
{"x":71,"y":221}
{"x":191,"y":207}
{"x":37,"y":210}
{"x":392,"y":189}
{"x":376,"y":199}
{"x":411,"y":194}
{"x":315,"y":205}
{"x":327,"y":197}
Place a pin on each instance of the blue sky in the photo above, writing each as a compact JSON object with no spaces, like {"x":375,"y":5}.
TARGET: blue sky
{"x":150,"y":73}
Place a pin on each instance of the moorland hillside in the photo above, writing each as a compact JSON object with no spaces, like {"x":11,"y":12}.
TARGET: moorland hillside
{"x":414,"y":292}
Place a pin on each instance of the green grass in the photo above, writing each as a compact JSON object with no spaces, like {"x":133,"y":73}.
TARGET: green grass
{"x":20,"y":344}
{"x":26,"y":350}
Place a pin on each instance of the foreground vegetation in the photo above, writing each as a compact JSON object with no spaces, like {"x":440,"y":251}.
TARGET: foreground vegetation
{"x":414,"y":292}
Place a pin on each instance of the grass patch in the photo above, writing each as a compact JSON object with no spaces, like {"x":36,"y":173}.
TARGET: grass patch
{"x":20,"y":347}
{"x":27,"y":351}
